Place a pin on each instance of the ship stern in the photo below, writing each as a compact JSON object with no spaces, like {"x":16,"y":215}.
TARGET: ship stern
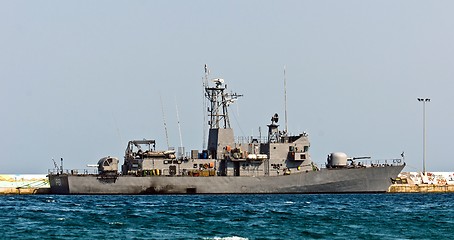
{"x":59,"y":183}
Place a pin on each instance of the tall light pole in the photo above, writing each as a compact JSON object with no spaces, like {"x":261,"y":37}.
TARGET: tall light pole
{"x":424,"y":100}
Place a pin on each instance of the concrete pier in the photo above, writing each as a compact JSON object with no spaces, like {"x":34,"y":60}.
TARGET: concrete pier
{"x":421,"y":188}
{"x":24,"y":191}
{"x":24,"y":184}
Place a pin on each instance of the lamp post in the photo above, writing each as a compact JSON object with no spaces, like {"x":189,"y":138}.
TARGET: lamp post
{"x":424,"y":100}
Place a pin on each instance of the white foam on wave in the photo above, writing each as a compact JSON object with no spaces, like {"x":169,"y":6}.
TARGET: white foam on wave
{"x":115,"y":223}
{"x":228,"y":238}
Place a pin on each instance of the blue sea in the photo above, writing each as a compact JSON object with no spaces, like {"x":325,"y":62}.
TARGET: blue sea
{"x":341,"y":216}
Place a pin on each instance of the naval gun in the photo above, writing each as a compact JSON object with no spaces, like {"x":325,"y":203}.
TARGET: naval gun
{"x":108,"y":166}
{"x":340,"y":160}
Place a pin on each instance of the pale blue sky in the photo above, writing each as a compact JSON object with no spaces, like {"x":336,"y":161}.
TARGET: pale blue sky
{"x":78,"y":79}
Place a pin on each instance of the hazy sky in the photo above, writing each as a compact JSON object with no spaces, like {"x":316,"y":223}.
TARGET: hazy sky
{"x":78,"y":79}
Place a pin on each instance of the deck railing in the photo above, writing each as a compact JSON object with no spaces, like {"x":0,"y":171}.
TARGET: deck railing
{"x":72,"y":171}
{"x":250,"y":139}
{"x":372,"y":163}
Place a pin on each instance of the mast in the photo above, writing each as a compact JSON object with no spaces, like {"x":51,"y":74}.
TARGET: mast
{"x":220,"y":133}
{"x":205,"y":107}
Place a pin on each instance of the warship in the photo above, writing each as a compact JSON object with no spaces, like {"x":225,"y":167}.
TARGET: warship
{"x":277,"y":163}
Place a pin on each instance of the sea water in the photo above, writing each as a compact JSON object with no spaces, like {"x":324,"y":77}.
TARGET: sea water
{"x":325,"y":216}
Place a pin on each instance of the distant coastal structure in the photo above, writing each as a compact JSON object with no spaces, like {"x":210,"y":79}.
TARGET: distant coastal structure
{"x":23,"y":183}
{"x":416,"y":182}
{"x":440,"y":178}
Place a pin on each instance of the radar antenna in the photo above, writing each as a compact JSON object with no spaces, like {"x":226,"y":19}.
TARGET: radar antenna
{"x":219,"y":100}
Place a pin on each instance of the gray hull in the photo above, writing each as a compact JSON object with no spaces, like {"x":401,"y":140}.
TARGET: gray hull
{"x":355,"y":180}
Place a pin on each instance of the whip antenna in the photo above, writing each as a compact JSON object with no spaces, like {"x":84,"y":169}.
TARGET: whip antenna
{"x":178,"y":121}
{"x":285,"y":102}
{"x":164,"y":120}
